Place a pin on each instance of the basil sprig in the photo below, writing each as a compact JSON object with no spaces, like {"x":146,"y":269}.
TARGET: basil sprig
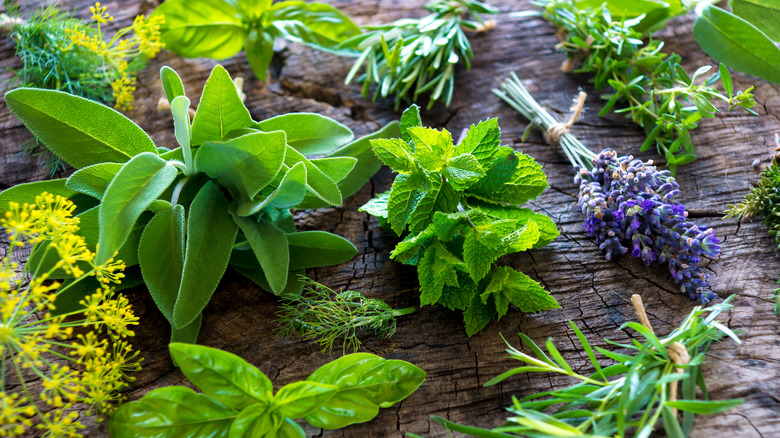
{"x":238,"y":399}
{"x":223,"y":197}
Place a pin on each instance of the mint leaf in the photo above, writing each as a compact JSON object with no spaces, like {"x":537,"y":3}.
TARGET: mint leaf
{"x":408,"y":250}
{"x":462,"y":170}
{"x":508,"y":285}
{"x":432,"y":148}
{"x":481,"y":141}
{"x":410,"y":119}
{"x":436,"y":269}
{"x":458,"y":298}
{"x":478,"y":315}
{"x":394,"y":152}
{"x":547,"y":229}
{"x":377,"y":206}
{"x":403,"y":200}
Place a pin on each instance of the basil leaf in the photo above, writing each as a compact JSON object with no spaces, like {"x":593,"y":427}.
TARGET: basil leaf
{"x":245,"y":164}
{"x":161,"y":256}
{"x":298,"y":399}
{"x":312,"y":249}
{"x":259,"y":49}
{"x":173,"y":411}
{"x":93,"y":180}
{"x":140,"y":181}
{"x":195,"y":28}
{"x":220,"y":110}
{"x":309,"y":133}
{"x":211,"y":233}
{"x":315,"y":23}
{"x":171,"y":83}
{"x":288,"y":429}
{"x":251,"y":10}
{"x":255,"y":421}
{"x":764,"y":14}
{"x":736,"y":43}
{"x":222,"y":376}
{"x":269,"y":243}
{"x":365,"y":383}
{"x":79,"y":131}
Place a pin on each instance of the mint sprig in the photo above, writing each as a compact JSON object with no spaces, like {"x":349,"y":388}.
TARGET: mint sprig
{"x":459,"y":210}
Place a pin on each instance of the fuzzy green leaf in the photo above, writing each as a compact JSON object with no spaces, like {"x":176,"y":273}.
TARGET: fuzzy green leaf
{"x":220,"y":109}
{"x":93,"y":180}
{"x":309,"y":133}
{"x":313,"y":249}
{"x":171,"y":83}
{"x":270,"y":246}
{"x":318,"y":184}
{"x":161,"y":256}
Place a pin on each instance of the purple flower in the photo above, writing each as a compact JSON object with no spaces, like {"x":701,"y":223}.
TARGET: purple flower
{"x":629,"y":203}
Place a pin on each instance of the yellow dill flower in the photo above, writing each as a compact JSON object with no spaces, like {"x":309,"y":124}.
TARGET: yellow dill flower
{"x":99,"y":14}
{"x":147,"y":34}
{"x":58,"y":423}
{"x":124,"y":88}
{"x":15,"y":413}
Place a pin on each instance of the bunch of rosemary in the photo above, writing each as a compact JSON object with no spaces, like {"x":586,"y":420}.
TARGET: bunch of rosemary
{"x":643,"y":389}
{"x":323,"y":315}
{"x":652,"y":87}
{"x":411,"y":57}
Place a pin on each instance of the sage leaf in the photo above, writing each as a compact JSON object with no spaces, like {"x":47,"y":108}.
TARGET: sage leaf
{"x":222,"y":376}
{"x":259,"y":48}
{"x":211,"y":233}
{"x":736,"y":43}
{"x":220,"y":109}
{"x":22,"y":193}
{"x":72,"y":292}
{"x":171,"y":83}
{"x":93,"y":180}
{"x":195,"y":28}
{"x":140,"y":181}
{"x":79,"y":131}
{"x":764,"y":14}
{"x":298,"y":399}
{"x":309,"y":133}
{"x":312,"y":249}
{"x":161,"y":257}
{"x":189,"y":333}
{"x":169,"y":412}
{"x":269,"y":243}
{"x":336,"y":168}
{"x":365,"y":383}
{"x":290,"y":192}
{"x":245,"y":164}
{"x":319,"y":184}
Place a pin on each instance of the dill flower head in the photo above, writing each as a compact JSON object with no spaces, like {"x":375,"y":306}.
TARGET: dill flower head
{"x":630,"y":204}
{"x":80,"y":357}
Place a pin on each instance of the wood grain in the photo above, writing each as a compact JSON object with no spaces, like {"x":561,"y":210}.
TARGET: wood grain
{"x":593,"y":292}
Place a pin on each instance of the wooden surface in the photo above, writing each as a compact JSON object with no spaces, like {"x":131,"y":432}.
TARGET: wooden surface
{"x":593,"y":292}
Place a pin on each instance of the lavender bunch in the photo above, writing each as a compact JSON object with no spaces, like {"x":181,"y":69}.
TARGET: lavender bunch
{"x":628,"y":204}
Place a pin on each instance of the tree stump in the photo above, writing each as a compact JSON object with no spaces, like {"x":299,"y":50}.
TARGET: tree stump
{"x":593,"y":292}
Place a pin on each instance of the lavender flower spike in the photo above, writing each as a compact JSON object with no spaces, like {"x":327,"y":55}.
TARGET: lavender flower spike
{"x":630,"y":205}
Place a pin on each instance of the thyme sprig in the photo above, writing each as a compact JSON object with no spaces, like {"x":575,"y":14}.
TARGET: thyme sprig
{"x":323,"y":315}
{"x":643,"y":389}
{"x":410,"y":57}
{"x":653,"y":88}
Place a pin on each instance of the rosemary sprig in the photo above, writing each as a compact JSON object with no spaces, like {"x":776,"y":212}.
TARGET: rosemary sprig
{"x":652,"y":88}
{"x":643,"y":389}
{"x":321,"y":314}
{"x":410,"y":57}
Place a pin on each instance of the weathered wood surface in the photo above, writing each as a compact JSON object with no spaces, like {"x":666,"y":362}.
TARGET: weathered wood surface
{"x":593,"y":292}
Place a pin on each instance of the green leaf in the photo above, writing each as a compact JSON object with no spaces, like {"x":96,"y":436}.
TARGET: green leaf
{"x":255,"y":421}
{"x":440,"y":197}
{"x":365,"y":382}
{"x":736,"y":43}
{"x":187,"y":334}
{"x":463,"y":170}
{"x":478,"y":315}
{"x":171,"y":83}
{"x":705,"y":406}
{"x":244,"y":165}
{"x":220,"y":109}
{"x":763,"y":14}
{"x":336,"y":168}
{"x":480,"y":250}
{"x":201,"y":28}
{"x":459,"y":298}
{"x":437,"y":268}
{"x":161,"y":256}
{"x":93,"y":180}
{"x":180,"y":110}
{"x":139,"y":182}
{"x":269,"y":243}
{"x":403,"y":201}
{"x":377,"y":206}
{"x":299,"y":399}
{"x":211,"y":233}
{"x":410,"y":119}
{"x":290,"y":192}
{"x":481,"y":141}
{"x":170,"y":412}
{"x":547,"y":228}
{"x":394,"y":152}
{"x":79,"y":131}
{"x":309,"y":133}
{"x":27,"y":192}
{"x":510,"y":286}
{"x":319,"y":184}
{"x":313,"y":249}
{"x":259,"y":49}
{"x":315,"y":23}
{"x":252,"y":10}
{"x":432,"y":148}
{"x":288,"y":429}
{"x":222,"y":376}
{"x":526,"y":182}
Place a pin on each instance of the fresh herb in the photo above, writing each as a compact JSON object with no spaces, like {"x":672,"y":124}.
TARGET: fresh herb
{"x":321,"y":314}
{"x":219,"y":29}
{"x":81,"y":357}
{"x":223,"y":197}
{"x":627,"y":203}
{"x":459,"y":208}
{"x":653,"y":89}
{"x":763,"y":200}
{"x":643,"y":391}
{"x":411,"y":57}
{"x":238,"y":399}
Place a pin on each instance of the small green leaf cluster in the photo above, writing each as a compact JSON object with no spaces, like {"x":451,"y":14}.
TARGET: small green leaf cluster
{"x":652,"y":87}
{"x":631,"y":404}
{"x":460,"y":207}
{"x":321,"y":314}
{"x":411,"y":57}
{"x":763,"y":200}
{"x":238,"y":400}
{"x":179,"y":217}
{"x":219,"y":29}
